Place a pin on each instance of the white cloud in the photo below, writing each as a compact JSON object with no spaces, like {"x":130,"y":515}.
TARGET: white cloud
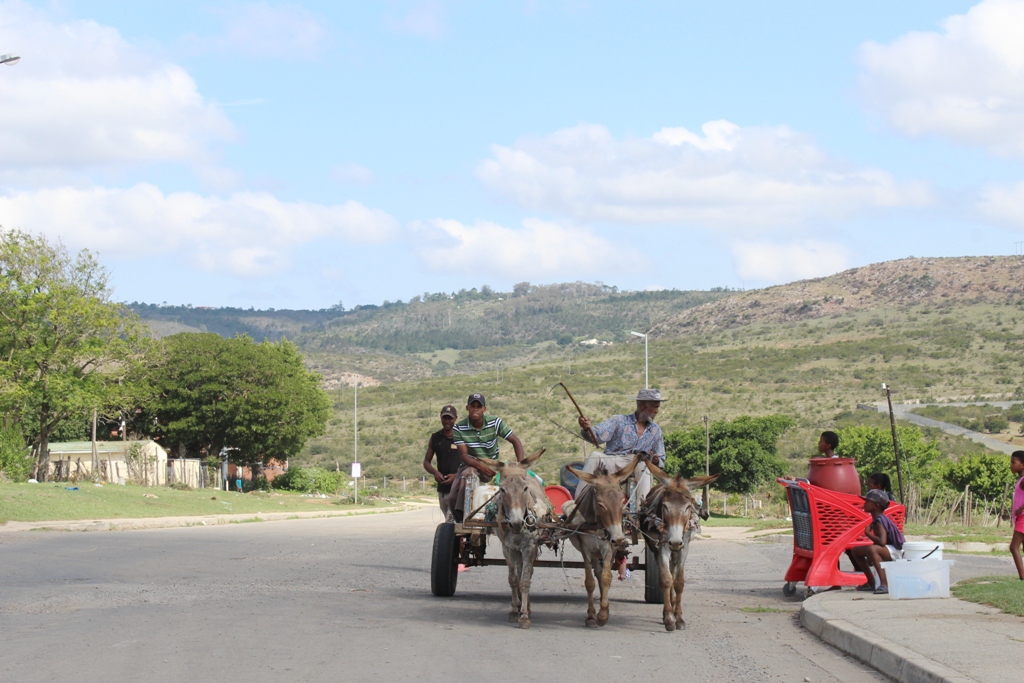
{"x":84,"y":96}
{"x":425,"y":18}
{"x":965,"y":82}
{"x":773,"y":263}
{"x":539,"y":249}
{"x":262,"y":30}
{"x":729,"y":177}
{"x":1002,"y":204}
{"x":245,"y":233}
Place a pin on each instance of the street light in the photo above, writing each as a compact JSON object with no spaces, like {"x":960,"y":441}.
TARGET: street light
{"x":647,"y":378}
{"x":9,"y":60}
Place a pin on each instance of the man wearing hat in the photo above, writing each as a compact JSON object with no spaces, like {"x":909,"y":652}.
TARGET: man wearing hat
{"x":625,"y":436}
{"x":476,"y":438}
{"x":443,"y":447}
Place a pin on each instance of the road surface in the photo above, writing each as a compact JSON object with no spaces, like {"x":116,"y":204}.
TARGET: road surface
{"x":348,"y":599}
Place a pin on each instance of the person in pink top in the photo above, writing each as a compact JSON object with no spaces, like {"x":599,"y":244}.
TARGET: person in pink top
{"x":1017,"y":467}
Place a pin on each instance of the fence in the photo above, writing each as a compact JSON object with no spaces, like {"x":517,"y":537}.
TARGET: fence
{"x":945,"y":507}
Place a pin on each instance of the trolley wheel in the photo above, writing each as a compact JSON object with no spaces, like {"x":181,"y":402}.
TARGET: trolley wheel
{"x":789,"y":589}
{"x":652,"y":577}
{"x":444,"y":561}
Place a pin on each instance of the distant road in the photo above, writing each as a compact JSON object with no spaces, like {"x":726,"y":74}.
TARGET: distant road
{"x":902,"y":411}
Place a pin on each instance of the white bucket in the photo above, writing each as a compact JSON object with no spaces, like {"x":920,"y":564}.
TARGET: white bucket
{"x":916,"y":550}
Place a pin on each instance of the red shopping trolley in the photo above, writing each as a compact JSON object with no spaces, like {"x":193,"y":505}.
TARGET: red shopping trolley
{"x":825,"y":524}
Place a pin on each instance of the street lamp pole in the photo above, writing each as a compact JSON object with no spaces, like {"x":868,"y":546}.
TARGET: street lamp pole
{"x":647,"y":377}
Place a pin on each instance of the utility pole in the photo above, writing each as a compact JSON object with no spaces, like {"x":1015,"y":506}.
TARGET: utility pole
{"x":95,"y":454}
{"x":704,"y":504}
{"x":355,"y":442}
{"x":895,"y":441}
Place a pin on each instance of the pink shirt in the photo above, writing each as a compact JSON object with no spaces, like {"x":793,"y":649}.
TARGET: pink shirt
{"x":1018,"y":496}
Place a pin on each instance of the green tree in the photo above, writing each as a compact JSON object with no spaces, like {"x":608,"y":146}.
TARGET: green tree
{"x":995,"y":423}
{"x":744,"y":451}
{"x":986,"y":473}
{"x":65,"y":348}
{"x":257,"y":399}
{"x":872,"y":448}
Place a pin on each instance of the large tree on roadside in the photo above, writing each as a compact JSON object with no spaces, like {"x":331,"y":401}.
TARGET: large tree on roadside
{"x":744,"y":451}
{"x":257,"y":399}
{"x":65,"y":348}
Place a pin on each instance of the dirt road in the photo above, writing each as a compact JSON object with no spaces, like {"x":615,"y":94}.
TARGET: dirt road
{"x":349,"y":600}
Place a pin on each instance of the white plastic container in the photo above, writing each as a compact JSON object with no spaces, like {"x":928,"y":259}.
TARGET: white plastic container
{"x":910,"y":580}
{"x":916,"y":550}
{"x":481,"y":494}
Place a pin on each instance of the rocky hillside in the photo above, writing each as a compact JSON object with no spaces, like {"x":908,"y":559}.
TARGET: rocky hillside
{"x":892,"y":284}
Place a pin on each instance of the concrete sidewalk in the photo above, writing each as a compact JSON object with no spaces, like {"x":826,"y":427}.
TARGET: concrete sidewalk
{"x":917,"y":641}
{"x":199,"y":520}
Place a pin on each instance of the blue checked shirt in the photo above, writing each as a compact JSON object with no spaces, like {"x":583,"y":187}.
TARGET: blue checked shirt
{"x":618,"y":434}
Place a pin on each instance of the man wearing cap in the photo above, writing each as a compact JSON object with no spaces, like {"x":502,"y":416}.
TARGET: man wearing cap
{"x":476,"y":438}
{"x":625,"y":436}
{"x":443,"y":447}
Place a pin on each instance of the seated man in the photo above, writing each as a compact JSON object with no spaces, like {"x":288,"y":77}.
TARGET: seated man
{"x":624,"y":437}
{"x":476,"y":438}
{"x":886,"y":543}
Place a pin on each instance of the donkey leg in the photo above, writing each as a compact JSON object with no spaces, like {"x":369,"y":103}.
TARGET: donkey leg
{"x":678,"y":583}
{"x":512,"y":559}
{"x":665,"y":578}
{"x":591,"y":584}
{"x":606,"y":582}
{"x":529,"y":556}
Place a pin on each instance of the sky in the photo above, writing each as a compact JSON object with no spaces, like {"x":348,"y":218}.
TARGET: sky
{"x":298,"y":155}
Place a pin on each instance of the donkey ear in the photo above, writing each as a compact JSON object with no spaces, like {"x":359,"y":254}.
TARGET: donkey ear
{"x":628,"y":469}
{"x":659,"y":473}
{"x":529,"y":461}
{"x":698,"y":482}
{"x":496,"y":465}
{"x":583,"y":476}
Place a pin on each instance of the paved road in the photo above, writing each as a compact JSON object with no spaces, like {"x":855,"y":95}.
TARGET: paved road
{"x":903,"y":412}
{"x":348,"y":599}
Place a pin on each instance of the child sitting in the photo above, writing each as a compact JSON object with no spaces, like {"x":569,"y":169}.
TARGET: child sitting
{"x":887,"y":542}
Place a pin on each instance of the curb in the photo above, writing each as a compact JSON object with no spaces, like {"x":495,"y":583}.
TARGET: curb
{"x":141,"y":523}
{"x":895,"y":661}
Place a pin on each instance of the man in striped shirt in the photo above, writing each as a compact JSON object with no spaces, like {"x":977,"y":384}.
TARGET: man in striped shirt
{"x":476,"y":437}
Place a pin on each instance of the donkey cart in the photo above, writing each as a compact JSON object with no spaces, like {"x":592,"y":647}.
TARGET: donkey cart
{"x":465,"y":543}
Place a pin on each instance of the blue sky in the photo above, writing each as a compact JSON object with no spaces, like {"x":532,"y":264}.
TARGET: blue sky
{"x":299,"y":154}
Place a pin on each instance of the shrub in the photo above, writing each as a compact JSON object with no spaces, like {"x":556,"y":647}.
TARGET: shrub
{"x":15,"y":459}
{"x":996,"y":422}
{"x":308,"y":480}
{"x":871,"y":447}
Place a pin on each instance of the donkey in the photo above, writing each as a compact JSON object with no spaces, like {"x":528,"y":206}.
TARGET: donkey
{"x":601,"y":504}
{"x":669,"y":518}
{"x":521,"y":504}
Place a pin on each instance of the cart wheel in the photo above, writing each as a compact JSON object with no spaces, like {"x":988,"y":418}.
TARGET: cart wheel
{"x":652,"y":577}
{"x":789,"y":590}
{"x":444,"y":561}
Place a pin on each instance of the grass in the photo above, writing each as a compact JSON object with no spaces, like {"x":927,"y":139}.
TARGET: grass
{"x":956,"y":534}
{"x":1002,"y":592}
{"x":49,"y":501}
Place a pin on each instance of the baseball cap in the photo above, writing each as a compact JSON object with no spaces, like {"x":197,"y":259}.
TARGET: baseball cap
{"x":877,"y":496}
{"x":476,"y":397}
{"x":449,"y":410}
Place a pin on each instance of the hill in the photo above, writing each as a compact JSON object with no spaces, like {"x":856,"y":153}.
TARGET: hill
{"x":940,"y":282}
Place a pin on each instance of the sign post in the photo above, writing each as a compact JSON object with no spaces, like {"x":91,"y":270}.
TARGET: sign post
{"x":357,"y":471}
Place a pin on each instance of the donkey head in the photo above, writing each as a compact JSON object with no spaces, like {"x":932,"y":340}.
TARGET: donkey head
{"x":522,"y":499}
{"x":608,"y":499}
{"x":677,"y":503}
